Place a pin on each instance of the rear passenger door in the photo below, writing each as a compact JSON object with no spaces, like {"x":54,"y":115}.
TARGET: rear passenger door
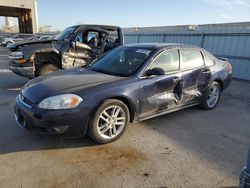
{"x":195,"y":75}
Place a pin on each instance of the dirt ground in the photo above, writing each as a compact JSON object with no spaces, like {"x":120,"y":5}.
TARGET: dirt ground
{"x":189,"y":148}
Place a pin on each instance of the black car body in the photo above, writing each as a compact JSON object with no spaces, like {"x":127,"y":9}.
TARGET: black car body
{"x":245,"y":174}
{"x":148,"y":79}
{"x":43,"y":37}
{"x":75,"y":46}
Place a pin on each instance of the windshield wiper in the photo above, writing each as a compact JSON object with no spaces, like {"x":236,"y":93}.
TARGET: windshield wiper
{"x":106,"y":72}
{"x":101,"y":71}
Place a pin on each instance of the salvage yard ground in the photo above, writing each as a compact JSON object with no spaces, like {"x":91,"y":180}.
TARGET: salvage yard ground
{"x":189,"y":148}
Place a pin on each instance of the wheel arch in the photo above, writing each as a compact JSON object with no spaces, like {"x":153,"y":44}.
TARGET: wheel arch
{"x":219,"y":81}
{"x":128,"y":102}
{"x":47,"y":53}
{"x":9,"y":42}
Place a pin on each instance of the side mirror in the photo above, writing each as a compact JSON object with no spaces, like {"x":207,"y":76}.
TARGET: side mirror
{"x":155,"y":72}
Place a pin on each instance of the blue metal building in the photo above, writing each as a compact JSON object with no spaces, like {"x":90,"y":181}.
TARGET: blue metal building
{"x":230,"y":40}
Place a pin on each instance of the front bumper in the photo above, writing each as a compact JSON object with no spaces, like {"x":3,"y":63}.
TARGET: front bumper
{"x":244,"y":179}
{"x":71,"y":122}
{"x":25,"y":69}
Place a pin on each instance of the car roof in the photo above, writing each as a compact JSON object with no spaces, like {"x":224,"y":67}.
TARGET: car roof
{"x":160,"y":45}
{"x":106,"y":27}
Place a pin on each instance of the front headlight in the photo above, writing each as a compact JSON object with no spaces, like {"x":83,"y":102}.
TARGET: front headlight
{"x":65,"y":101}
{"x":16,"y":55}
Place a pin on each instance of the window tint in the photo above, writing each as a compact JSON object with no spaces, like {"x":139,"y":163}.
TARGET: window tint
{"x":92,"y":38}
{"x":79,"y":38}
{"x":121,"y":61}
{"x":209,"y":58}
{"x":113,"y":37}
{"x":167,"y":60}
{"x":191,"y":59}
{"x":66,"y":33}
{"x":92,"y":34}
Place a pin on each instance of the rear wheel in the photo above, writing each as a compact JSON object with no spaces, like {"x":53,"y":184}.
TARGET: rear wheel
{"x":211,"y":96}
{"x":109,"y":122}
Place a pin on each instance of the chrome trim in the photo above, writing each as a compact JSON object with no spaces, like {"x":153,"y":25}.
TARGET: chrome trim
{"x":15,"y":57}
{"x":23,"y":71}
{"x":21,"y":100}
{"x":167,"y":111}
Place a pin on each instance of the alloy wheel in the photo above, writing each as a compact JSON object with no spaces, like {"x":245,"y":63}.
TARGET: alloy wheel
{"x":213,"y":96}
{"x":111,"y":122}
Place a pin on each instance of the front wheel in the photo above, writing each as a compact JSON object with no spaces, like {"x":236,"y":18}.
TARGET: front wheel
{"x":46,"y":69}
{"x":109,"y":122}
{"x":211,"y":96}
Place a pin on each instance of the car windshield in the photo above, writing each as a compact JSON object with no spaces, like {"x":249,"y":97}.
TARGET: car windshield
{"x":66,"y":33}
{"x":122,"y":61}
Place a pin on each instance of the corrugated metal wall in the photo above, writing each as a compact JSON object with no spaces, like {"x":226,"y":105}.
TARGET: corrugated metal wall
{"x":223,"y":40}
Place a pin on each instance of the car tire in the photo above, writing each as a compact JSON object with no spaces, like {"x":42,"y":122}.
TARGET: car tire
{"x":211,"y":96}
{"x":109,"y":122}
{"x":45,"y":63}
{"x":46,"y":69}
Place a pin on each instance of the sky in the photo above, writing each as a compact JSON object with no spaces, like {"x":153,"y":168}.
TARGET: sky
{"x":134,"y":13}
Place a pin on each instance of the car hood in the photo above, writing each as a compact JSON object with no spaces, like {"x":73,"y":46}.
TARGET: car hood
{"x":27,"y":42}
{"x":61,"y":81}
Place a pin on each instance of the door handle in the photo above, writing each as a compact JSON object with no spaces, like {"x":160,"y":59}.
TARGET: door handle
{"x":176,"y":79}
{"x":206,"y":70}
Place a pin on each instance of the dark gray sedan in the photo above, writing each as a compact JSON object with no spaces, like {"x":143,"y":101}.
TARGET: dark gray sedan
{"x":131,"y":83}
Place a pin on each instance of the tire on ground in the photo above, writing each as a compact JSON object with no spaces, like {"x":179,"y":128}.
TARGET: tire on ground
{"x":203,"y":103}
{"x":92,"y":130}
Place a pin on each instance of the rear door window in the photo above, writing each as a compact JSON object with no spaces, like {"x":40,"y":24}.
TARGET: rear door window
{"x":209,"y":59}
{"x":191,"y":59}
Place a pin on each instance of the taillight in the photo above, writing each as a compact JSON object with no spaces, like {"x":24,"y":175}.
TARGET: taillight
{"x":229,"y":68}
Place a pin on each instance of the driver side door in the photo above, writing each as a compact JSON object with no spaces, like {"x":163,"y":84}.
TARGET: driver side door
{"x":84,"y":47}
{"x":161,"y":92}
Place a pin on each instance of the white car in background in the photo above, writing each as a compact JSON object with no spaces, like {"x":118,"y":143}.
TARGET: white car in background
{"x":15,"y":38}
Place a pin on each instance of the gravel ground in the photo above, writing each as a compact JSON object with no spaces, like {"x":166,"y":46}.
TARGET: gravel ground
{"x":189,"y":148}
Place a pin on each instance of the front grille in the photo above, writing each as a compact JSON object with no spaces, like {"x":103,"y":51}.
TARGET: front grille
{"x":25,"y":100}
{"x":20,"y":119}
